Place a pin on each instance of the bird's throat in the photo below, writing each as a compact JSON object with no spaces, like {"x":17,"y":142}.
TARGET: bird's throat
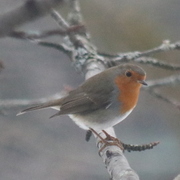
{"x":128,"y":95}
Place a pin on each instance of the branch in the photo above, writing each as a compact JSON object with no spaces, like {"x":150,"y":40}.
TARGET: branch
{"x":44,"y":34}
{"x":115,"y":161}
{"x":86,"y":57}
{"x":165,"y":46}
{"x":141,"y":57}
{"x":165,"y":98}
{"x":61,"y":47}
{"x":28,"y":11}
{"x":156,"y":63}
{"x":154,"y":84}
{"x":177,"y":177}
{"x":14,"y":103}
{"x":75,"y":16}
{"x":71,"y":39}
{"x":175,"y":79}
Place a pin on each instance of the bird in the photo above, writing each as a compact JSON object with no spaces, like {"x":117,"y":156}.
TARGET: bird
{"x":103,"y":100}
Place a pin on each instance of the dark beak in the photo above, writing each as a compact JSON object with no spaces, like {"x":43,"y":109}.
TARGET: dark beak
{"x":142,"y":82}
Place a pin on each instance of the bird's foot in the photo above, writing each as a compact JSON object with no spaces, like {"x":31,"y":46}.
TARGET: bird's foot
{"x":113,"y":141}
{"x":108,"y":141}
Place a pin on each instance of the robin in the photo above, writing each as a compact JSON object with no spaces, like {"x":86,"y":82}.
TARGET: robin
{"x":103,"y":100}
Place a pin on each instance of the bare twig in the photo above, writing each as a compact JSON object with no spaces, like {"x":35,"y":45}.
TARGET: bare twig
{"x":8,"y":104}
{"x":165,"y":46}
{"x":61,"y":47}
{"x":147,"y":61}
{"x":74,"y":16}
{"x":141,"y":57}
{"x":85,"y":57}
{"x":154,"y":85}
{"x":45,"y":34}
{"x":59,"y":20}
{"x":83,"y":52}
{"x":174,"y":79}
{"x":158,"y":95}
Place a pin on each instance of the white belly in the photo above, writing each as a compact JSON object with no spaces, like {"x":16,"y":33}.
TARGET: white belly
{"x":95,"y":122}
{"x":86,"y":123}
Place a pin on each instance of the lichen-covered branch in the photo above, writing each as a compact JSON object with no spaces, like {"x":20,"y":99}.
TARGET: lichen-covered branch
{"x":115,"y":160}
{"x":143,"y":57}
{"x":165,"y":46}
{"x":154,"y":62}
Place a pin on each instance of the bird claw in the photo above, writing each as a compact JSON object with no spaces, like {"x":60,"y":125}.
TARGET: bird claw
{"x":105,"y":141}
{"x":115,"y":142}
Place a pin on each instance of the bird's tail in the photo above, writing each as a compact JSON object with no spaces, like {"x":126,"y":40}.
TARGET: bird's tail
{"x":55,"y":104}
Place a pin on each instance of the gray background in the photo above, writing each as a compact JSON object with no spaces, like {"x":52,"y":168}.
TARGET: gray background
{"x":35,"y":147}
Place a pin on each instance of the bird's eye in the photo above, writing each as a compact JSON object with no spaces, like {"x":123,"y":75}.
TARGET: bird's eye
{"x":128,"y":74}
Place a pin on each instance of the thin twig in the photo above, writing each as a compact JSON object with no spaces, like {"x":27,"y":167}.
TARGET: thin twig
{"x":165,"y":46}
{"x":147,"y":61}
{"x":59,"y":19}
{"x":156,"y":63}
{"x":16,"y":103}
{"x":45,"y":34}
{"x":61,"y":47}
{"x":154,"y":85}
{"x":158,"y":95}
{"x":141,"y":57}
{"x":71,"y":39}
{"x":74,"y":16}
{"x":174,"y":79}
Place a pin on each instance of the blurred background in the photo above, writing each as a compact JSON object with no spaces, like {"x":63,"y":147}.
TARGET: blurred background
{"x":32,"y":146}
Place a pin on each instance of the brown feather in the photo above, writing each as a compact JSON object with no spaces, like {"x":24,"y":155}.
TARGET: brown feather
{"x":41,"y":106}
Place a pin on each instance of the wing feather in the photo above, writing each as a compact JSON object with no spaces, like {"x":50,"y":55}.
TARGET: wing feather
{"x":82,"y":101}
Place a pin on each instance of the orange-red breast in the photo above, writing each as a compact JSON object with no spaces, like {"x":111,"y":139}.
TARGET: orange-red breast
{"x":103,"y":100}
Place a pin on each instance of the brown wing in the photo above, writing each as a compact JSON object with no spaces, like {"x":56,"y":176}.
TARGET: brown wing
{"x":95,"y":93}
{"x":79,"y":101}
